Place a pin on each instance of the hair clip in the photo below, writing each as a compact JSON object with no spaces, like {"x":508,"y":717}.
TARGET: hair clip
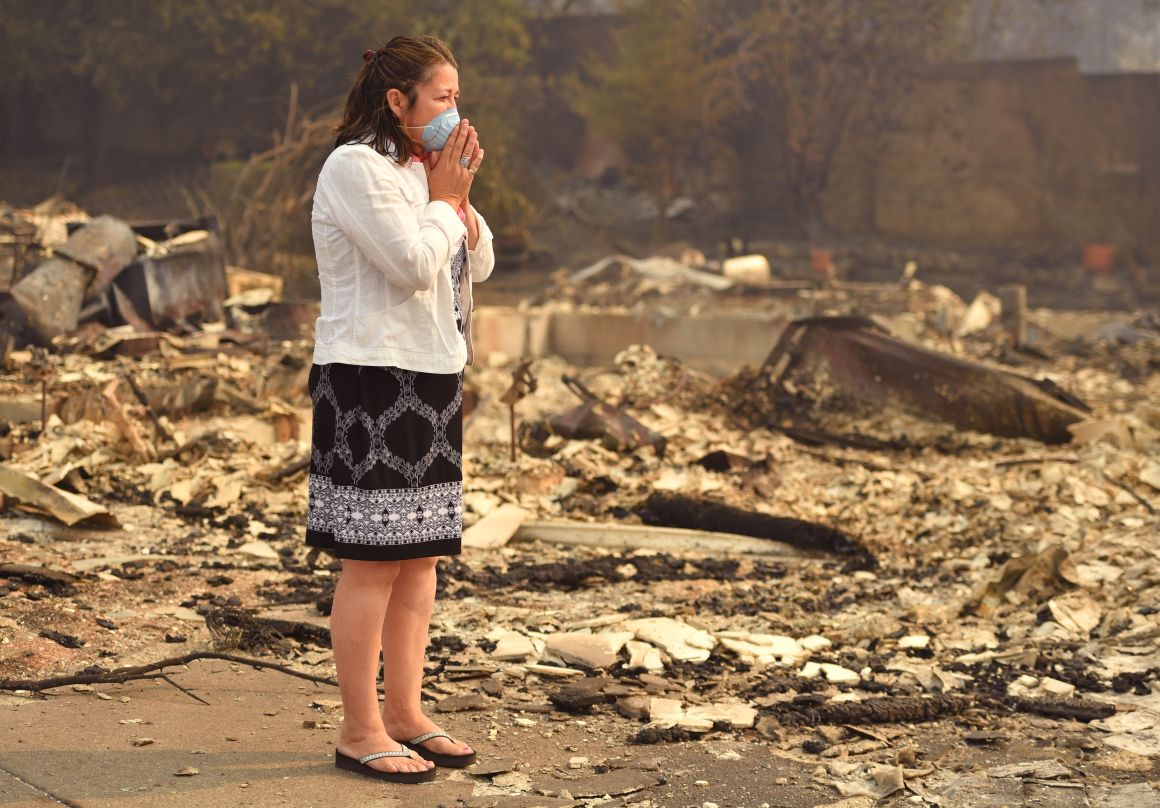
{"x":368,"y":55}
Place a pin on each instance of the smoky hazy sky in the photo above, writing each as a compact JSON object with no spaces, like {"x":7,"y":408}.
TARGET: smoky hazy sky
{"x":1106,"y":36}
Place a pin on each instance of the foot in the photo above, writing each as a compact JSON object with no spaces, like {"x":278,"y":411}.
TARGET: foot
{"x":356,"y":746}
{"x":404,"y":731}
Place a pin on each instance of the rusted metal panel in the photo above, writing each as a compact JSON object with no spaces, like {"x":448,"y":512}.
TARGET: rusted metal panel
{"x":182,"y":282}
{"x":51,"y":296}
{"x":868,"y":362}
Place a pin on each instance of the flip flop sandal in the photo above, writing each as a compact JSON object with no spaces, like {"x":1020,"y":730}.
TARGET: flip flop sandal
{"x":439,"y":759}
{"x":360,"y":766}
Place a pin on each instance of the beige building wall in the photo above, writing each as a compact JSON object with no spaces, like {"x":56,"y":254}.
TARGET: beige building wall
{"x":1013,"y":151}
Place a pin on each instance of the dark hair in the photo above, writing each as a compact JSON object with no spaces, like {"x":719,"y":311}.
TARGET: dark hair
{"x":401,"y":64}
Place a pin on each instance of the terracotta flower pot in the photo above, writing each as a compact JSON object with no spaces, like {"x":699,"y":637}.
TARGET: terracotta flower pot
{"x":821,"y":261}
{"x":1099,"y":257}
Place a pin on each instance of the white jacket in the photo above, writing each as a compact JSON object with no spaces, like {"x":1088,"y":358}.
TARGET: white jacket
{"x":384,"y":253}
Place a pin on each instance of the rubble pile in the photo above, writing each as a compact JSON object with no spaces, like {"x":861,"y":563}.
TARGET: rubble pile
{"x":774,"y":555}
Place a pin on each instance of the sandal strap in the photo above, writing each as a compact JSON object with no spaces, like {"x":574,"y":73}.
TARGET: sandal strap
{"x":428,"y":736}
{"x":377,"y":755}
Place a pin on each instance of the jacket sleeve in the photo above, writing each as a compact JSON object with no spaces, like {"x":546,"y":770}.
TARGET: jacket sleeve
{"x":483,"y":256}
{"x":369,"y":206}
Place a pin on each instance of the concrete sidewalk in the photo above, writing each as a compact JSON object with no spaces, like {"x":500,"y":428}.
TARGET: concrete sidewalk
{"x":249,"y":746}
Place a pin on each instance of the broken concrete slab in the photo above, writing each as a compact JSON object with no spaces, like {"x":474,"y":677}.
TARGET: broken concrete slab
{"x":835,"y":674}
{"x":643,"y":656}
{"x":514,"y":647}
{"x":879,"y":782}
{"x":1128,"y":795}
{"x":764,"y":649}
{"x":589,"y":650}
{"x":553,"y":670}
{"x":663,"y":710}
{"x":515,"y":801}
{"x":259,"y":549}
{"x":679,"y":640}
{"x":1075,"y":611}
{"x":700,"y":718}
{"x":737,"y":716}
{"x":646,"y":537}
{"x":1136,"y":732}
{"x":496,"y":529}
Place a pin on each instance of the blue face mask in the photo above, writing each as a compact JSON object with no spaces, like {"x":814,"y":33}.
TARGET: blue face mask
{"x":439,"y":128}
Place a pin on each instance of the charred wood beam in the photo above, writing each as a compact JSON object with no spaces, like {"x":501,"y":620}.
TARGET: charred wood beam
{"x":59,"y":581}
{"x":900,"y":710}
{"x":672,"y":509}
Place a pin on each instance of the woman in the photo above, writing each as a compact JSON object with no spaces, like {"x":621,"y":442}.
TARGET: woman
{"x":398,"y":246}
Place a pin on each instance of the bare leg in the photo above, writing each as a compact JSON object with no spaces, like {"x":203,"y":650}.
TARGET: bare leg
{"x":404,"y":649}
{"x":356,"y":622}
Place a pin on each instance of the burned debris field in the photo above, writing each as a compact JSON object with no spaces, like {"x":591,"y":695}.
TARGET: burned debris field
{"x":904,"y":549}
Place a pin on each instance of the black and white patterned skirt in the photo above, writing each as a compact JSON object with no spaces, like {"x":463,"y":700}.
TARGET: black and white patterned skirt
{"x":386,"y":463}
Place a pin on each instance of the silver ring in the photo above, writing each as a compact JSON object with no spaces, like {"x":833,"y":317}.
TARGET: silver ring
{"x":465,"y":161}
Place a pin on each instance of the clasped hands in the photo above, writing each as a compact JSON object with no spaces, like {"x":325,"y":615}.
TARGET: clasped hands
{"x":451,"y":171}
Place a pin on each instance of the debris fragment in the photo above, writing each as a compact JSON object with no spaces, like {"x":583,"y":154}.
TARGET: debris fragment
{"x":69,"y":508}
{"x":496,"y":529}
{"x":871,"y":711}
{"x":678,"y":639}
{"x":60,"y":581}
{"x":646,"y":537}
{"x":595,"y":420}
{"x":864,"y":360}
{"x":588,"y":650}
{"x":50,"y":297}
{"x":579,"y":697}
{"x":59,"y":637}
{"x":680,"y":510}
{"x":880,"y":782}
{"x":1029,"y":578}
{"x":523,"y":384}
